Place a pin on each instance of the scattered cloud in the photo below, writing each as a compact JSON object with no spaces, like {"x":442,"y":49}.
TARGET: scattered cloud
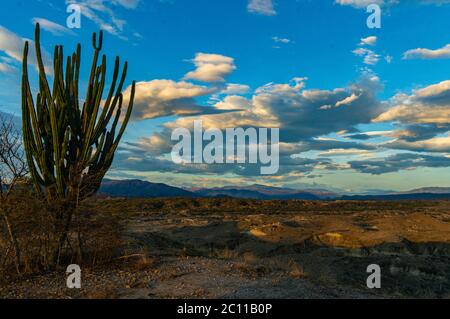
{"x":232,"y":89}
{"x":281,"y":40}
{"x":103,"y":14}
{"x":370,"y":57}
{"x":361,"y":3}
{"x":296,"y":111}
{"x":161,"y":98}
{"x":368,"y":135}
{"x":303,"y":123}
{"x":398,"y":162}
{"x":348,"y":100}
{"x":419,"y":132}
{"x":436,"y":2}
{"x":264,"y":7}
{"x":437,"y":144}
{"x":428,"y":105}
{"x":389,"y":59}
{"x":346,"y":152}
{"x":211,"y":68}
{"x":7,"y":68}
{"x":320,"y":144}
{"x":372,"y":40}
{"x":422,"y":117}
{"x":421,"y":53}
{"x":12,"y":45}
{"x":52,"y":27}
{"x":234,"y":102}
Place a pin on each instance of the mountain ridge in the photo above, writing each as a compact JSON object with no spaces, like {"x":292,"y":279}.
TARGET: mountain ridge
{"x":135,"y":188}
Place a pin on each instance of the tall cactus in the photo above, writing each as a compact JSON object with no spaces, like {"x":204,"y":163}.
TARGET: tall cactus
{"x":69,"y":149}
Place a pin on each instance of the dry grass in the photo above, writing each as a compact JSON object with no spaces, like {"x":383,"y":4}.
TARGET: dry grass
{"x":192,"y":206}
{"x":297,"y":270}
{"x":94,"y":238}
{"x":139,"y":238}
{"x":102,"y":294}
{"x":140,"y":262}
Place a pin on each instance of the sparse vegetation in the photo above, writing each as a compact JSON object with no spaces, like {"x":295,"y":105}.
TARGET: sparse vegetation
{"x":282,"y":249}
{"x":93,"y":241}
{"x":69,"y":147}
{"x":13,"y":172}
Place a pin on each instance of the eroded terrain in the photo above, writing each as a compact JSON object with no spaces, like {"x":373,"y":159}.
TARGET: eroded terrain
{"x":248,"y":249}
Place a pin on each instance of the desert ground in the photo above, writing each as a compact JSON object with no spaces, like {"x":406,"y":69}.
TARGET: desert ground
{"x":230,"y":248}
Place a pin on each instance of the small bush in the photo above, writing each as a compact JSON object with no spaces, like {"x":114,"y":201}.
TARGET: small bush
{"x":93,"y":239}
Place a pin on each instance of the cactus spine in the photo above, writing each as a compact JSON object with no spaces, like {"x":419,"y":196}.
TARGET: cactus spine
{"x":69,"y":149}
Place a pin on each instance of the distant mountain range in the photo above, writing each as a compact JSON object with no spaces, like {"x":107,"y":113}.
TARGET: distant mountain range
{"x":142,"y":189}
{"x":410,"y":196}
{"x":263,"y":192}
{"x":429,"y":190}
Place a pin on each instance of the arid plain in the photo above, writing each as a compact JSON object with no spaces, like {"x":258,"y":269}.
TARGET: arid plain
{"x":230,"y":248}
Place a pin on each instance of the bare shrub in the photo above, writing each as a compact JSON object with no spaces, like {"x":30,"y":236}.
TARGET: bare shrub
{"x":13,"y":170}
{"x":93,"y":241}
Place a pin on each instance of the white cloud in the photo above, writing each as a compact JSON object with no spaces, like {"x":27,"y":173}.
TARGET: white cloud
{"x":52,"y":27}
{"x":421,"y":53}
{"x":359,"y":3}
{"x":435,"y":90}
{"x":233,"y":89}
{"x":437,"y":144}
{"x":103,"y":13}
{"x":429,"y":105}
{"x":6,"y":68}
{"x":294,"y":110}
{"x":234,"y":102}
{"x":160,"y":98}
{"x":372,"y":40}
{"x":370,"y":57}
{"x":388,"y":59}
{"x":347,"y":152}
{"x":362,"y":4}
{"x":12,"y":45}
{"x":348,"y":100}
{"x":416,"y":114}
{"x":281,"y":40}
{"x":129,"y":4}
{"x":211,"y":68}
{"x":264,"y":7}
{"x":436,"y":2}
{"x":398,"y":162}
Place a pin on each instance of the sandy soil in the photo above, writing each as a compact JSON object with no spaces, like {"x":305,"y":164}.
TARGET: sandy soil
{"x":319,"y":252}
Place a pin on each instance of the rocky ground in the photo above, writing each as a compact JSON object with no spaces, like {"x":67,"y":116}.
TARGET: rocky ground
{"x":248,"y":249}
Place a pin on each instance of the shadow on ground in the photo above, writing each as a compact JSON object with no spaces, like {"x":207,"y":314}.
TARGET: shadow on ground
{"x":326,"y":256}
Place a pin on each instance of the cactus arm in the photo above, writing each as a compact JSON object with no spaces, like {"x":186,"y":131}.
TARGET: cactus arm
{"x":67,"y":147}
{"x":87,"y":108}
{"x":52,"y":114}
{"x":27,"y":133}
{"x":90,"y":139}
{"x":100,"y":123}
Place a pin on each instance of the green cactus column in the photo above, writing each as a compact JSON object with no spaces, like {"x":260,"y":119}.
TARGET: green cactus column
{"x":70,"y":146}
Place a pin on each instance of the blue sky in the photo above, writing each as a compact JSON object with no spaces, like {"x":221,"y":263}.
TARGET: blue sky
{"x":358,"y":108}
